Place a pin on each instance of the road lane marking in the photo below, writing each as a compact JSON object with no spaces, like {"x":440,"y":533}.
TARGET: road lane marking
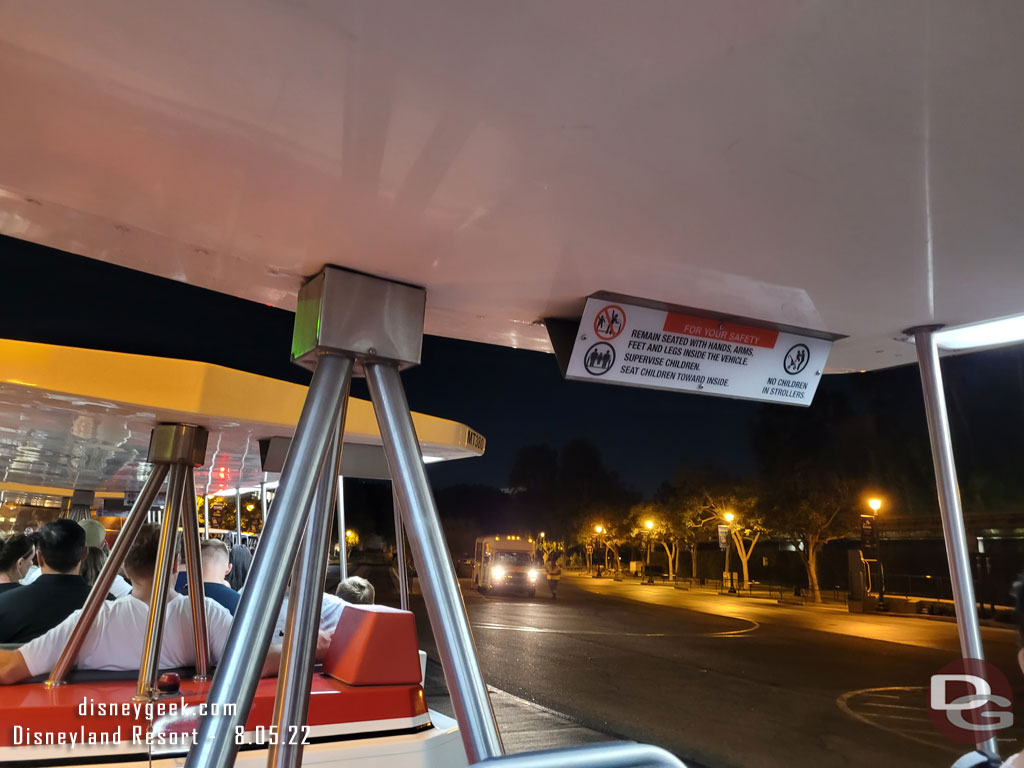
{"x":736,"y":632}
{"x":606,"y":633}
{"x":887,"y":716}
{"x":869,"y":718}
{"x":547,"y":631}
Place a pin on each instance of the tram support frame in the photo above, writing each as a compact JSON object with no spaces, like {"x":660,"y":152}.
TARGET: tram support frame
{"x":349,"y":323}
{"x":440,"y":587}
{"x":342,"y":533}
{"x":234,"y":683}
{"x":166,"y":562}
{"x":138,"y":517}
{"x":950,"y":510}
{"x":175,"y":449}
{"x":401,"y":567}
{"x":194,"y":566}
{"x":302,"y":626}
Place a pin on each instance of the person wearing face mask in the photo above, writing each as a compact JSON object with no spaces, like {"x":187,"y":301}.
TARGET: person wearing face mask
{"x":17,"y":553}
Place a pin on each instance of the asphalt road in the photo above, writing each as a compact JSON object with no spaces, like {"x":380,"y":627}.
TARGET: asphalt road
{"x":724,"y":681}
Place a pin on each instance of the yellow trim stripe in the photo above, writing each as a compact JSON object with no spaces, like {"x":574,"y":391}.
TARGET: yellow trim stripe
{"x":199,"y":392}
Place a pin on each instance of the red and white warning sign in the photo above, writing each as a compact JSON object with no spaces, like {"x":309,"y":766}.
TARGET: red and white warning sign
{"x":609,"y":322}
{"x":662,"y":349}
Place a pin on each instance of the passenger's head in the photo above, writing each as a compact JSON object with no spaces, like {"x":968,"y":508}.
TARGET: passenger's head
{"x":140,"y":562}
{"x":241,"y":559}
{"x":61,"y":545}
{"x":16,"y":555}
{"x":356,"y":589}
{"x":216,"y":559}
{"x":95,"y":533}
{"x":93,"y":564}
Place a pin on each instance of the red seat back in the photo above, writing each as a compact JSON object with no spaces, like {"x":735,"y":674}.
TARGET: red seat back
{"x":374,"y":645}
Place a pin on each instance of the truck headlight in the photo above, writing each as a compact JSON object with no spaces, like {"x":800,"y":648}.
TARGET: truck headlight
{"x":532,"y":574}
{"x":498,"y":572}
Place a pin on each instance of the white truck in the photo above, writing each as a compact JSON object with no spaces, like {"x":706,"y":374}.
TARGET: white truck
{"x":507,"y":563}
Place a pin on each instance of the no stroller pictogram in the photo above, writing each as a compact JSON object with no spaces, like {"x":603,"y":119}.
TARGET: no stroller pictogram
{"x":609,"y":322}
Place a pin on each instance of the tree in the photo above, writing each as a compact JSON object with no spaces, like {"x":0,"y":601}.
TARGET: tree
{"x":738,"y":508}
{"x":558,"y":492}
{"x":667,"y":528}
{"x":689,"y":508}
{"x":810,"y":509}
{"x":614,"y":530}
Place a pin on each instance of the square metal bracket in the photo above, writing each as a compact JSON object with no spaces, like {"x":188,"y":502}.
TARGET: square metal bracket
{"x":178,"y":444}
{"x":357,"y":459}
{"x":366,"y":317}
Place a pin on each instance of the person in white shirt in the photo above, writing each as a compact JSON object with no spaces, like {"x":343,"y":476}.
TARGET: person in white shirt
{"x":330,"y":612}
{"x":117,"y":635}
{"x":356,"y":590}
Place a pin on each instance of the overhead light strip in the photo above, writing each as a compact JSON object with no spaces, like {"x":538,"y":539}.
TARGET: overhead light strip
{"x":991,"y":333}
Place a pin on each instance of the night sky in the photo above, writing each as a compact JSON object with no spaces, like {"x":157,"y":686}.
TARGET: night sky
{"x":513,"y":397}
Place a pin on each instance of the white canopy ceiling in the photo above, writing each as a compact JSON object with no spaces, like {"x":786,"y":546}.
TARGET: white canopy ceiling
{"x":853,"y":167}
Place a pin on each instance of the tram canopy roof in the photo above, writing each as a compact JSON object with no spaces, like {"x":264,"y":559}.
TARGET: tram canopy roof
{"x":848,"y":167}
{"x":81,"y":418}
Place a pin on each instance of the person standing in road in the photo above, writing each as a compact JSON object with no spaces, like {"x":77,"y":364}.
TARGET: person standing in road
{"x":553,"y":573}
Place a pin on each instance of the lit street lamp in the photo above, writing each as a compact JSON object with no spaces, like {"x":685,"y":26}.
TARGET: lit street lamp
{"x":875,"y":505}
{"x":729,"y":517}
{"x":649,"y":525}
{"x":598,"y":530}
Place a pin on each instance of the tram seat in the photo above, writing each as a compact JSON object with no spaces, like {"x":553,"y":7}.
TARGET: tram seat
{"x":374,"y":645}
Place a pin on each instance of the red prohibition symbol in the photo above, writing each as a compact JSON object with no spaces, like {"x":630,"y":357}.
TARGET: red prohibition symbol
{"x":609,"y":322}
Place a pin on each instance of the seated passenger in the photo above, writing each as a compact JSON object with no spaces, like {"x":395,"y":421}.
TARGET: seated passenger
{"x":116,"y":637}
{"x":29,"y":611}
{"x":214,"y":555}
{"x":356,"y":590}
{"x":93,"y":563}
{"x":16,"y":555}
{"x":241,"y":562}
{"x":95,"y":533}
{"x":330,"y":611}
{"x":96,"y":554}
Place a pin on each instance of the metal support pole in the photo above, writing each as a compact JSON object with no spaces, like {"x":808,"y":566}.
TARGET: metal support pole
{"x":194,"y":564}
{"x":165,"y":565}
{"x":441,"y":593}
{"x":298,"y":651}
{"x":400,"y":564}
{"x":342,"y":538}
{"x":263,"y":507}
{"x":949,"y":502}
{"x":238,"y":515}
{"x":238,"y":673}
{"x":98,"y":593}
{"x":206,"y":514}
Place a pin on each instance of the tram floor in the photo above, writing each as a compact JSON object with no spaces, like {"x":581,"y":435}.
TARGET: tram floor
{"x":723,"y":682}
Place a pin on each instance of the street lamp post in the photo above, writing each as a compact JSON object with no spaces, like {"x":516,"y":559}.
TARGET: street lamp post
{"x":729,"y":518}
{"x":598,"y":530}
{"x":875,"y":505}
{"x":649,"y":525}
